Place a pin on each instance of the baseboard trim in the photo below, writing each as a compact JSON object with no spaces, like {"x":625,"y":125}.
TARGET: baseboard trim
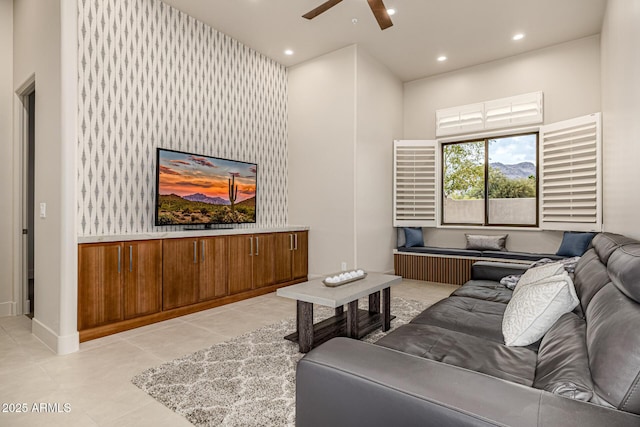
{"x":7,"y":308}
{"x":59,"y":344}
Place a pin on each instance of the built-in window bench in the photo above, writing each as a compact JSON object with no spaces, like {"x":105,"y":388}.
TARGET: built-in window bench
{"x":451,"y":265}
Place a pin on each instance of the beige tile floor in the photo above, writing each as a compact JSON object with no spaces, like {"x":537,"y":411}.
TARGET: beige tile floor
{"x":95,"y":382}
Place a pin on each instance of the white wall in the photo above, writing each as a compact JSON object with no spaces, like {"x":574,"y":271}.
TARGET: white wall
{"x":7,"y":299}
{"x":38,"y":49}
{"x":322,"y":97}
{"x":345,"y":109}
{"x":621,"y":116}
{"x":379,"y":122}
{"x":569,"y":76}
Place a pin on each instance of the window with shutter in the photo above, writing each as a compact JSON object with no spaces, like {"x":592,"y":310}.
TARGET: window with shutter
{"x":415,"y":184}
{"x":570,"y":165}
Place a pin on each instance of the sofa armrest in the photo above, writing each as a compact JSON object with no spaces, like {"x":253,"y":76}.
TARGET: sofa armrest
{"x":487,"y":270}
{"x":346,"y":382}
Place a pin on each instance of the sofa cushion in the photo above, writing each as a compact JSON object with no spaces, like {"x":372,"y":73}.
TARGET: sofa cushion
{"x":606,"y":243}
{"x":493,"y":270}
{"x":589,"y":277}
{"x":482,"y":242}
{"x":487,"y":290}
{"x":413,"y":237}
{"x":515,"y":364}
{"x":468,"y":315}
{"x":536,"y":306}
{"x":613,"y":344}
{"x":624,"y":269}
{"x":574,"y":243}
{"x":563,"y":363}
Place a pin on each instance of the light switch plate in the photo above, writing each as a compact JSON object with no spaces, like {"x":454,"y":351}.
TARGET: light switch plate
{"x":43,"y":210}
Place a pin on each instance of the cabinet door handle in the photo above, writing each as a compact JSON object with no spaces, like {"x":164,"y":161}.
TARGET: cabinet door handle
{"x":257,"y":245}
{"x":251,"y":249}
{"x":202,"y":251}
{"x":130,"y":258}
{"x":195,"y":252}
{"x":119,"y":258}
{"x":295,"y":239}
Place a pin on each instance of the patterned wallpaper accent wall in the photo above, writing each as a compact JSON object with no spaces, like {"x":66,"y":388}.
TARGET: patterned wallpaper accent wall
{"x":151,"y":76}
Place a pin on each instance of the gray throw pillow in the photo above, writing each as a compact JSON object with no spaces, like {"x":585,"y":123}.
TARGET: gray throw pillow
{"x":480,"y":242}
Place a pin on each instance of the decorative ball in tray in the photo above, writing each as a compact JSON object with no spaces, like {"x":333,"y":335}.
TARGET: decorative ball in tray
{"x":343,"y":278}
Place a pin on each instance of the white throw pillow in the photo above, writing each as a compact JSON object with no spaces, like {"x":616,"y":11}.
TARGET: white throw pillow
{"x":535,"y":307}
{"x":536,"y":274}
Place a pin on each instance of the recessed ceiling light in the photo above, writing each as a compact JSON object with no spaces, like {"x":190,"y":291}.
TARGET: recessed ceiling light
{"x":288,"y":52}
{"x":518,"y":36}
{"x":391,"y":12}
{"x":442,"y":58}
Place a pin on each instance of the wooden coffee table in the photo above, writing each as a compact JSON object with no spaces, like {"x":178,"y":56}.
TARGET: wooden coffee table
{"x":355,"y":323}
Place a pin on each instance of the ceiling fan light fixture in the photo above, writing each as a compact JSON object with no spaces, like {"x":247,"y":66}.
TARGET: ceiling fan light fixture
{"x":377,"y":7}
{"x":391,"y":11}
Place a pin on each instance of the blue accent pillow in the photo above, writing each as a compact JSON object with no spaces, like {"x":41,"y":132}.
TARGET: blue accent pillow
{"x":413,"y":237}
{"x":574,"y":243}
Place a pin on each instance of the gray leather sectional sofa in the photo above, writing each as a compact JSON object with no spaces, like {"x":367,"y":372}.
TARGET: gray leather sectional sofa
{"x":450,"y":367}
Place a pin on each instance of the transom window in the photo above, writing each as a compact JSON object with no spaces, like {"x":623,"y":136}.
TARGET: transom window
{"x":491,"y":181}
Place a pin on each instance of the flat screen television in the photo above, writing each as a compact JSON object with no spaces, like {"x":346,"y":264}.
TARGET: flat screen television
{"x":193,"y":189}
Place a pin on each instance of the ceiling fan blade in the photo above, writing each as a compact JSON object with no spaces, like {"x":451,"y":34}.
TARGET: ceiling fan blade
{"x":320,"y":9}
{"x":380,"y":12}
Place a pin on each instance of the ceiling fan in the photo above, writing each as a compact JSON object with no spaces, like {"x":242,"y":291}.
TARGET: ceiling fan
{"x":377,"y":7}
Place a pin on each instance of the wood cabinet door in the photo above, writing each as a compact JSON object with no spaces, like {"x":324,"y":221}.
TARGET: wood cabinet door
{"x":142,"y":265}
{"x":301,"y":255}
{"x":263,"y":260}
{"x":240,"y":263}
{"x":179,"y":272}
{"x":213,"y":267}
{"x":283,"y":250}
{"x":99,"y":284}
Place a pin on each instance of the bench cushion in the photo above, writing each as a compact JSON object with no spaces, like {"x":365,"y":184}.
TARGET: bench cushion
{"x":526,"y":256}
{"x":441,"y":251}
{"x":472,"y":253}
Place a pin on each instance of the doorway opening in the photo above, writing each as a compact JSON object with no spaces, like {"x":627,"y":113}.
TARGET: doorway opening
{"x":28,"y":199}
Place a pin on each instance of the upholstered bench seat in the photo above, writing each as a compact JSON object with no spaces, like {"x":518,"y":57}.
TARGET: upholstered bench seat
{"x":522,"y":256}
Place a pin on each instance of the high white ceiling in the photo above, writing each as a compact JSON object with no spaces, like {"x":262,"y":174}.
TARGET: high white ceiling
{"x":468,"y":32}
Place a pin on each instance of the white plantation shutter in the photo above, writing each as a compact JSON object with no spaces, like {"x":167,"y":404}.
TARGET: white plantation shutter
{"x":500,"y":113}
{"x":570,"y":171}
{"x":513,"y":111}
{"x":414,"y":183}
{"x":456,"y":120}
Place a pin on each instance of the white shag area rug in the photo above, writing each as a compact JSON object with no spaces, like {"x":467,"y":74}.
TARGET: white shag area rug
{"x":248,"y":380}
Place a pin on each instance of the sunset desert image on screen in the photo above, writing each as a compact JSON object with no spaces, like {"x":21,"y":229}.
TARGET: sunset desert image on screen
{"x":195,"y":189}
